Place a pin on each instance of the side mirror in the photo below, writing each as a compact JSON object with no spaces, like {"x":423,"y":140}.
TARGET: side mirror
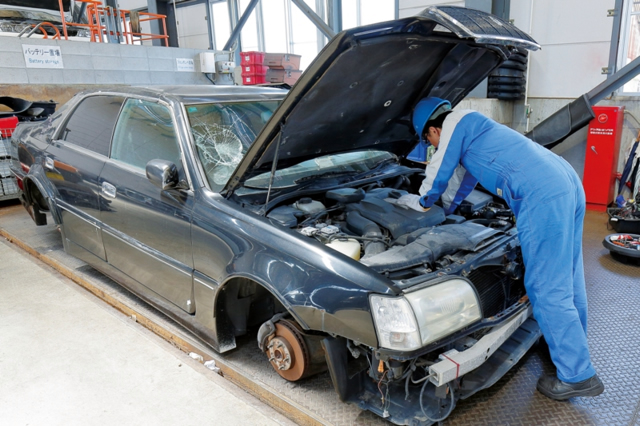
{"x":163,"y":174}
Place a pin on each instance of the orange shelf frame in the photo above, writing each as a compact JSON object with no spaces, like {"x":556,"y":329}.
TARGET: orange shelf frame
{"x":95,"y":12}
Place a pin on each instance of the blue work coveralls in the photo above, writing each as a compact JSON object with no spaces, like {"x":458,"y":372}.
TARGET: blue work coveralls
{"x":548,"y":201}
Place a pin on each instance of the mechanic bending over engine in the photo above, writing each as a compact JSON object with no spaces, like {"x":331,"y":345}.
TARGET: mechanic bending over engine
{"x":548,"y":201}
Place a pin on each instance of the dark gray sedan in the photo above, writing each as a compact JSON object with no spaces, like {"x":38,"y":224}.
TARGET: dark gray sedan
{"x":256,"y":210}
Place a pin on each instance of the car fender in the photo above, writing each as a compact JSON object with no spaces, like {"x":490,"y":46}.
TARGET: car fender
{"x":38,"y":177}
{"x":317,"y":298}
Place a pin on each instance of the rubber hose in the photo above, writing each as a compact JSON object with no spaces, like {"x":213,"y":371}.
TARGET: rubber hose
{"x":367,"y":229}
{"x":453,"y":404}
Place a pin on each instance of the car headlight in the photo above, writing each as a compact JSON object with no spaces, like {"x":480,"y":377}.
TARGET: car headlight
{"x":395,"y":322}
{"x":430,"y":314}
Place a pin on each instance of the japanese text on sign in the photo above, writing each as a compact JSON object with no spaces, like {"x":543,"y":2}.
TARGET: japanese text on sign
{"x":42,"y":56}
{"x":596,"y":131}
{"x":185,"y":65}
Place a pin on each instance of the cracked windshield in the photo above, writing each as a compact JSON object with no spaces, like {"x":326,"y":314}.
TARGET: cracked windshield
{"x":223,"y":132}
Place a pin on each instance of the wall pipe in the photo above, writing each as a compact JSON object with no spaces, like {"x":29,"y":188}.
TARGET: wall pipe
{"x":527,"y":107}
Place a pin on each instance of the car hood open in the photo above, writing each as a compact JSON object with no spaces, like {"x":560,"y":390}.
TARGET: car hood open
{"x":360,"y":91}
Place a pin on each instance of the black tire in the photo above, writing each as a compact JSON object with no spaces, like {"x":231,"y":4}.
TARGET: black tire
{"x":504,"y":96}
{"x":627,"y":260}
{"x":513,"y":65}
{"x":519,"y":57}
{"x":511,"y":88}
{"x":507,"y":80}
{"x":506,"y":72}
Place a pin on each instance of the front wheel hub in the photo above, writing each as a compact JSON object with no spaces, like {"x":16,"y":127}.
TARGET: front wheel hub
{"x":279,"y":352}
{"x":288,"y":352}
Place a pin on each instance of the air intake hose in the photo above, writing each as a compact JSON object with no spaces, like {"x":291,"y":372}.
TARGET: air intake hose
{"x":367,"y":229}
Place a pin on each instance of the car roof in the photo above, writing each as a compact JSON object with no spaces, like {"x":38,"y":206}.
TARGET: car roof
{"x":193,"y":94}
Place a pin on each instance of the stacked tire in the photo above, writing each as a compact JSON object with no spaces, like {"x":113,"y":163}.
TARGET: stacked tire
{"x":508,"y":81}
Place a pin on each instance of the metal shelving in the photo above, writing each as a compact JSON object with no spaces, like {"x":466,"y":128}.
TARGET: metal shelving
{"x":8,"y":184}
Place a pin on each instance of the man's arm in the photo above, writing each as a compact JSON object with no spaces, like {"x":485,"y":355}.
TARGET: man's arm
{"x":460,"y":186}
{"x":445,"y":161}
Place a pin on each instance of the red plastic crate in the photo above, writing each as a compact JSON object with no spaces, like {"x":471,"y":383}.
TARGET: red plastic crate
{"x":251,"y":79}
{"x":251,"y":58}
{"x":7,"y":126}
{"x":254,"y":69}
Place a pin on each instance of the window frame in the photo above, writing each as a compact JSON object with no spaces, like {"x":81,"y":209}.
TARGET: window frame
{"x":620,"y":43}
{"x":179,"y":139}
{"x":59,"y":132}
{"x":192,"y":143}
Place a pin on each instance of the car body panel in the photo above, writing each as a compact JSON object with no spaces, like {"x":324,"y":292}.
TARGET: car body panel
{"x":74,"y":170}
{"x":146,"y":233}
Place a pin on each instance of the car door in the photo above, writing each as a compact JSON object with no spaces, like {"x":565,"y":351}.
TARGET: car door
{"x":146,"y":230}
{"x":73,"y":163}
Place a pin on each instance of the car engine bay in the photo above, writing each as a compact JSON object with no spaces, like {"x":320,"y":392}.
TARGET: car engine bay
{"x":399,"y":242}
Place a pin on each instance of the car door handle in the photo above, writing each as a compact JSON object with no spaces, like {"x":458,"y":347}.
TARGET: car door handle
{"x":108,"y":190}
{"x":48,"y":163}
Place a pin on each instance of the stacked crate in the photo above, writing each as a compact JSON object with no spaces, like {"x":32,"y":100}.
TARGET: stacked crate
{"x":283,"y":68}
{"x":8,"y":184}
{"x":253,"y":69}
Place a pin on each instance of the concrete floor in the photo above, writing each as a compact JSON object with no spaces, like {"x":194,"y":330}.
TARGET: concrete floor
{"x":67,"y":358}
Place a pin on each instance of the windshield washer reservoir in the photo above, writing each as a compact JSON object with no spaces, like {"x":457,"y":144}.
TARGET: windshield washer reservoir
{"x":349,"y":247}
{"x":308,"y":205}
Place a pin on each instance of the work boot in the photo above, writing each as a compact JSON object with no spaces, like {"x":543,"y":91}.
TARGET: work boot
{"x":554,"y":388}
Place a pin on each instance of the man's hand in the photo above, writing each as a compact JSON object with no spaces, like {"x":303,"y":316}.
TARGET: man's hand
{"x":408,"y":201}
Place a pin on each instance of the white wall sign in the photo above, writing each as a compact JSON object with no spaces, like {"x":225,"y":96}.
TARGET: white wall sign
{"x":185,"y":65}
{"x":42,"y":56}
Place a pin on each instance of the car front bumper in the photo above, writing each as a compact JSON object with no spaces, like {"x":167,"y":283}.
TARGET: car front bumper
{"x":464,"y":373}
{"x":455,"y":364}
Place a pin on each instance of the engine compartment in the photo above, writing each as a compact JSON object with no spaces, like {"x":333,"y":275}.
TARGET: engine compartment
{"x":392,"y":240}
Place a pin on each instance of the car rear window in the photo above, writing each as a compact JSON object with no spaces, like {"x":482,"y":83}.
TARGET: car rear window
{"x":91,"y":123}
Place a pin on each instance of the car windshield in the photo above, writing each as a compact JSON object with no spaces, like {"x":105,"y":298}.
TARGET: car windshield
{"x":223,"y":132}
{"x":325,"y":167}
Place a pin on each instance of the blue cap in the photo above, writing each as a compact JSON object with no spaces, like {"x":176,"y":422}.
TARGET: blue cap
{"x":428,"y":108}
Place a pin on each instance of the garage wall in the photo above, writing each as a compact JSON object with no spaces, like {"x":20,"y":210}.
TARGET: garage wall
{"x":192,"y":23}
{"x":575,"y":37}
{"x":192,"y":27}
{"x":97,"y":63}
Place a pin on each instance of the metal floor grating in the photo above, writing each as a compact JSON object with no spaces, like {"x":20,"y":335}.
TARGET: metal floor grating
{"x":614,"y":337}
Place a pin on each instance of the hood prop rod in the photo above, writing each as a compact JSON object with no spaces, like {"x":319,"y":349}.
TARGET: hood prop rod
{"x":274,"y":166}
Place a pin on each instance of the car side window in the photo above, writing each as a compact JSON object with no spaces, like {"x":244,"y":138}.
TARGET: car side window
{"x":145,"y":132}
{"x":91,"y":124}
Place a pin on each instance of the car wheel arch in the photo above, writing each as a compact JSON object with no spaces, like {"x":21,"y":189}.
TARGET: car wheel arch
{"x":235,"y":307}
{"x":37,"y":196}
